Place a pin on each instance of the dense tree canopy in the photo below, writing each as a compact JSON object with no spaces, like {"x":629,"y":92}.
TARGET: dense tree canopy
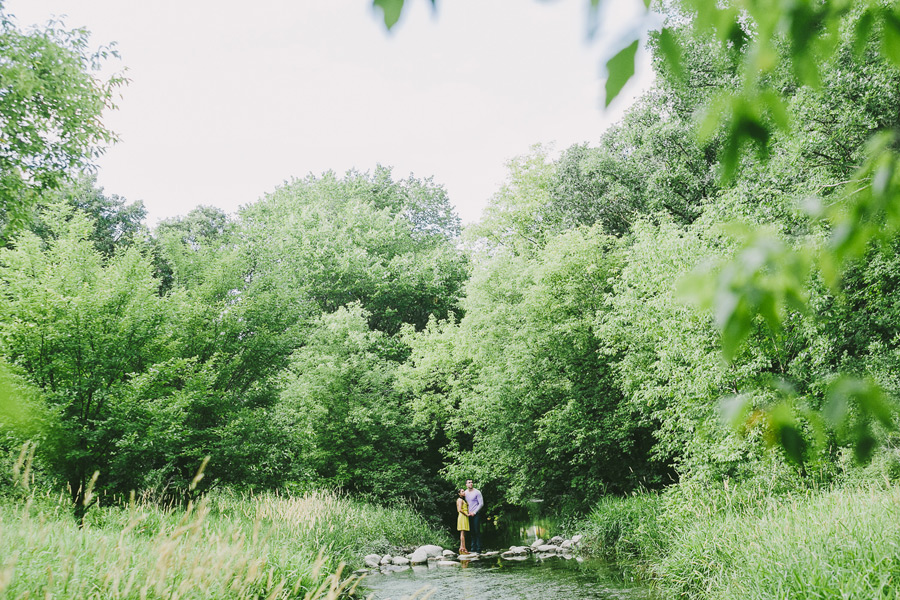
{"x":689,"y":296}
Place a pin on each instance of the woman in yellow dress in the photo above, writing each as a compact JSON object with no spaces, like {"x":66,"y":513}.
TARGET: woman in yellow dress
{"x":462,"y":520}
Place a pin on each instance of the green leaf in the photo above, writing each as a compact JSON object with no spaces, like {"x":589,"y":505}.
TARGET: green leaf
{"x":862,"y":32}
{"x":890,"y":42}
{"x":791,"y":440}
{"x":734,"y":409}
{"x":864,"y":445}
{"x":735,"y":318}
{"x":620,"y":69}
{"x":392,"y":10}
{"x":671,"y":50}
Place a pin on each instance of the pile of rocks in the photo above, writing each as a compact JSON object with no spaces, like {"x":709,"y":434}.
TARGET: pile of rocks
{"x":435,"y":556}
{"x":423,"y":555}
{"x":558,"y":546}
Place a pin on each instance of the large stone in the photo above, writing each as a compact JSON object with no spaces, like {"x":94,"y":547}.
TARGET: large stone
{"x":448,"y":563}
{"x":537,"y":542}
{"x":490,"y":554}
{"x":400,"y":561}
{"x":372,"y":560}
{"x":450,"y":553}
{"x":517,"y":551}
{"x":386,"y":559}
{"x":418,"y":557}
{"x":567,"y":544}
{"x":467,"y":557}
{"x":576,"y":539}
{"x":556,"y":540}
{"x":547,"y":549}
{"x":431,"y":550}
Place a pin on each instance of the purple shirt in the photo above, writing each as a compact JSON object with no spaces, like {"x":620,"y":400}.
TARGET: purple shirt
{"x":474,"y":500}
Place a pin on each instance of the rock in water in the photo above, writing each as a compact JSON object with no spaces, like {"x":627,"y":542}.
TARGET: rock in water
{"x":372,"y":560}
{"x":431,"y":550}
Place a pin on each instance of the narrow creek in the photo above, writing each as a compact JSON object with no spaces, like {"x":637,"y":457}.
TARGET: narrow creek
{"x":499,"y":579}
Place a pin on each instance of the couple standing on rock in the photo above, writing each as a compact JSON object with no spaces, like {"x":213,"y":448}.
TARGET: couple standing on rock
{"x":469,"y":505}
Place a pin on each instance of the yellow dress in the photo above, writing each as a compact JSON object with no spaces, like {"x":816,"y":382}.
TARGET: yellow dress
{"x":462,"y":520}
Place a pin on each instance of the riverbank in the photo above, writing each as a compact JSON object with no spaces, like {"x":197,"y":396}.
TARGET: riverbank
{"x":227,"y":546}
{"x":742,"y":542}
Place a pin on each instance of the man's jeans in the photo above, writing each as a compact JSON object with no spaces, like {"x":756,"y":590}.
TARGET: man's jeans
{"x":475,"y":532}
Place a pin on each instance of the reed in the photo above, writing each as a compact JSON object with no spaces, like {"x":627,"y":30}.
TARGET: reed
{"x":744,"y":543}
{"x":228,"y":545}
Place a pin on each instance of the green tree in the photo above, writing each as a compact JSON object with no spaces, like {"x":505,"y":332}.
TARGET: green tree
{"x":81,"y":326}
{"x":347,"y":418}
{"x":520,"y":392}
{"x":51,"y":106}
{"x":762,"y":77}
{"x":117,"y":223}
{"x":333,"y":241}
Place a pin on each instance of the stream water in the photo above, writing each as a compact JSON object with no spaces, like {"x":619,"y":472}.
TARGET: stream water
{"x":498,"y":579}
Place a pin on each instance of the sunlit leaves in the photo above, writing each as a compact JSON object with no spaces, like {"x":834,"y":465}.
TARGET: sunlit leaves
{"x":766,"y":278}
{"x":870,"y":210}
{"x":852,"y":406}
{"x":671,"y":51}
{"x":890,"y":44}
{"x":620,"y":68}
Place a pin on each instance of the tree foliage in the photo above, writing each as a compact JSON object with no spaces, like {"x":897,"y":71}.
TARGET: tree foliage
{"x":51,"y":104}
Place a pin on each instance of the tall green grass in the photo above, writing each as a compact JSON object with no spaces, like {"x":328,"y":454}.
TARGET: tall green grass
{"x":227,"y":546}
{"x":744,"y":543}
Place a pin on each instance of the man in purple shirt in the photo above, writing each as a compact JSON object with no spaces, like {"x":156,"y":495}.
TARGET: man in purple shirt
{"x":476,"y":503}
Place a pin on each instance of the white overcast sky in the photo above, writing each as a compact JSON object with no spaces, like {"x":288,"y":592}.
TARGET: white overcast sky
{"x":230,"y":99}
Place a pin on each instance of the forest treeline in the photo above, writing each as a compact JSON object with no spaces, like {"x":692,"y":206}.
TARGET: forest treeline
{"x":346,"y":332}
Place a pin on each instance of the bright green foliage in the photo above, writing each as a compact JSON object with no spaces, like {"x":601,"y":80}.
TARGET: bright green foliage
{"x":648,"y":163}
{"x":23,"y":412}
{"x":364,"y":238}
{"x":620,"y":68}
{"x":117,"y":224}
{"x":755,"y":541}
{"x":346,"y":419}
{"x":80,"y":326}
{"x":50,"y":109}
{"x":524,"y":399}
{"x":515,"y":217}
